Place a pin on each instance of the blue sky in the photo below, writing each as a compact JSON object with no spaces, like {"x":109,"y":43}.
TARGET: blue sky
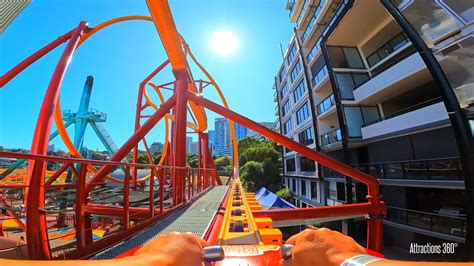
{"x":120,"y":57}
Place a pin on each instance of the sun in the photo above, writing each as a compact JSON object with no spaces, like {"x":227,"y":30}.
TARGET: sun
{"x":223,"y":42}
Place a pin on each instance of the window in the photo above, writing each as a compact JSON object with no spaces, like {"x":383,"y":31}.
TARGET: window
{"x":307,"y":165}
{"x":291,"y":54}
{"x":299,"y":91}
{"x":303,"y":188}
{"x":357,"y":116}
{"x":288,"y":126}
{"x":314,"y":191}
{"x":284,"y":91}
{"x":302,"y":114}
{"x":305,"y":137}
{"x":290,"y":165}
{"x":294,"y":185}
{"x":295,"y":71}
{"x":286,"y":108}
{"x":388,"y":48}
{"x":314,"y":17}
{"x":347,"y":82}
{"x":464,"y":9}
{"x":287,"y":150}
{"x":345,"y":57}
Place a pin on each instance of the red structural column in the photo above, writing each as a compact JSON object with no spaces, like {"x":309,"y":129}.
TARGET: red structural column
{"x":126,"y":198}
{"x":179,"y":134}
{"x":36,"y":229}
{"x":131,"y":142}
{"x":79,"y":207}
{"x":138,"y":112}
{"x":162,"y":176}
{"x":152,"y":192}
{"x":200,"y":162}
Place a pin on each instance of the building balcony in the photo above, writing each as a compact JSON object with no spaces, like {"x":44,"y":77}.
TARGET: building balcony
{"x":294,"y":6}
{"x":441,"y":172}
{"x":320,"y":77}
{"x":432,"y":224}
{"x":334,"y":202}
{"x":423,"y":115}
{"x":326,"y":105}
{"x":317,"y":11}
{"x":331,"y":137}
{"x":400,"y":77}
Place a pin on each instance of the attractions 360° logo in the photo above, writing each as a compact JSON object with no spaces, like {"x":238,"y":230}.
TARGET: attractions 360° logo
{"x":428,"y":248}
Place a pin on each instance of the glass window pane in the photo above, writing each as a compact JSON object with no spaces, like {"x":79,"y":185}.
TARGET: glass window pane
{"x":464,"y":8}
{"x":338,"y":58}
{"x":354,"y":121}
{"x":430,"y":20}
{"x":353,"y":58}
{"x":371,"y":113}
{"x":345,"y":84}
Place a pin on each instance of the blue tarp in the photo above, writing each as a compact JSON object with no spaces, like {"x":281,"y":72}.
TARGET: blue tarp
{"x":270,"y":200}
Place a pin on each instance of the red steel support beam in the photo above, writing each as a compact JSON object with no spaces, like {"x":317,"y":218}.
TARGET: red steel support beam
{"x":179,"y":134}
{"x":79,"y":207}
{"x":32,"y":58}
{"x":131,"y":142}
{"x":152,"y":192}
{"x":58,"y":173}
{"x":322,"y":212}
{"x":126,"y":198}
{"x":374,"y":229}
{"x":138,"y":111}
{"x":371,"y":182}
{"x":162,"y":175}
{"x":36,"y":233}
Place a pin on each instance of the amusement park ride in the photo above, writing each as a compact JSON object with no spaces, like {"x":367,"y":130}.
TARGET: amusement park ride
{"x":190,"y":199}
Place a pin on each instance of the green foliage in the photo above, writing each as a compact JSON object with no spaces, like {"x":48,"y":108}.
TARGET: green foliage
{"x":246,"y":143}
{"x":260,"y":163}
{"x":284,"y":193}
{"x":192,"y":160}
{"x":1,"y":148}
{"x":224,"y":165}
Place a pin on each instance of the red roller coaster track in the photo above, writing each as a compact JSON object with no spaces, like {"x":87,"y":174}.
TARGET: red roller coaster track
{"x":187,"y":183}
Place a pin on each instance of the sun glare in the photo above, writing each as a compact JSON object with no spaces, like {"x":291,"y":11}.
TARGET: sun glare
{"x":223,"y":42}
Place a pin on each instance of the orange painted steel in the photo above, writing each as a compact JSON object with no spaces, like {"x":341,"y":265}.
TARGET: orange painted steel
{"x":164,"y":23}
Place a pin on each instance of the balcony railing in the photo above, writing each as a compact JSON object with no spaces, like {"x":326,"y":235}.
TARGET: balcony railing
{"x":303,"y":10}
{"x":432,"y":169}
{"x":320,"y":76}
{"x":388,"y":48}
{"x":327,"y":103}
{"x":404,"y":111}
{"x":312,"y":23}
{"x":330,"y":137}
{"x":444,"y":224}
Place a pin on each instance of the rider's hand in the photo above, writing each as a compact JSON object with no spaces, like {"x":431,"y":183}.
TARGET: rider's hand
{"x":321,"y":247}
{"x":173,"y":249}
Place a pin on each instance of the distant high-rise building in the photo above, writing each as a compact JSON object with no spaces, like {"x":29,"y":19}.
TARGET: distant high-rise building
{"x":212,"y":141}
{"x":156,"y":147}
{"x":223,"y":139}
{"x":240,"y":131}
{"x":193,"y":148}
{"x":189,"y":141}
{"x":51,"y":148}
{"x":254,"y":134}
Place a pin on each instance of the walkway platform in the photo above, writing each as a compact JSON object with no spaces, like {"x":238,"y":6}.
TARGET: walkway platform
{"x":194,"y":218}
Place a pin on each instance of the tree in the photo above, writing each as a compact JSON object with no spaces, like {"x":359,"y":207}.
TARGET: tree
{"x":284,"y":193}
{"x":260,"y":162}
{"x":223,"y":164}
{"x":192,"y":160}
{"x":143,"y":158}
{"x":246,"y":143}
{"x":1,"y":148}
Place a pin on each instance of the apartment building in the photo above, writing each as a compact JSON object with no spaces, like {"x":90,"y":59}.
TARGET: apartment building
{"x":353,"y":87}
